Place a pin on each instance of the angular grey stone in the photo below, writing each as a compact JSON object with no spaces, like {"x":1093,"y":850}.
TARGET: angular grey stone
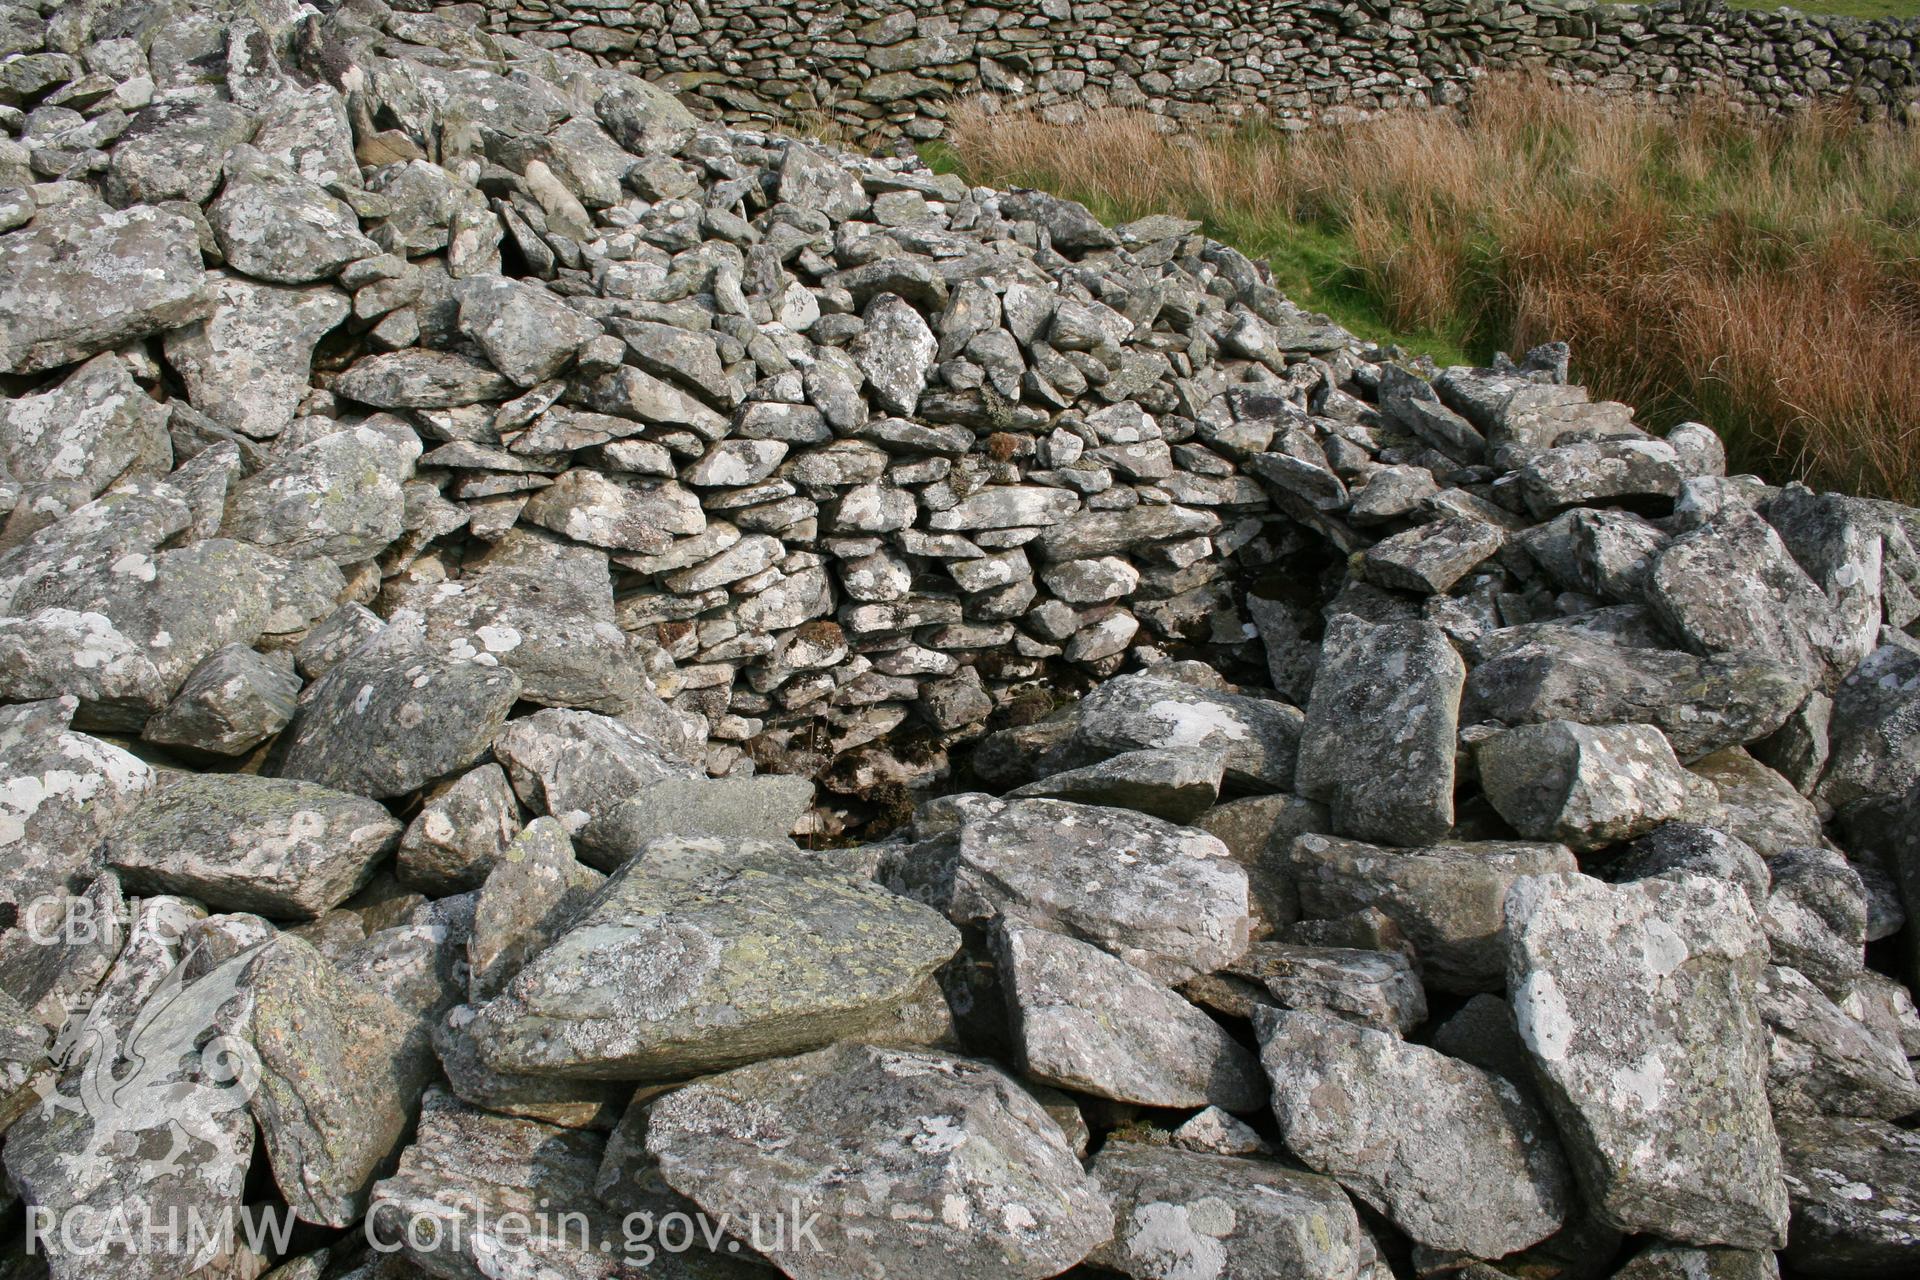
{"x":421,"y":379}
{"x":1215,"y":1132}
{"x":737,"y":462}
{"x":533,"y":893}
{"x":1403,"y":1127}
{"x":1678,"y":848}
{"x":1605,"y":553}
{"x":1483,"y":1033}
{"x":23,"y":1060}
{"x":814,"y":179}
{"x":896,"y":352}
{"x":627,"y":392}
{"x":1731,"y":585}
{"x":57,"y":652}
{"x":1873,"y":748}
{"x":308,"y":132}
{"x":579,"y":767}
{"x":1258,"y":739}
{"x":704,"y":953}
{"x":463,"y":826}
{"x":1798,"y":749}
{"x":758,"y":1140}
{"x":1702,"y":704}
{"x":1430,"y":558}
{"x":689,"y":357}
{"x":340,"y":496}
{"x":385,"y":721}
{"x":1069,"y":225}
{"x":1816,"y":917}
{"x":174,"y":151}
{"x":1823,"y":1061}
{"x":1172,"y":783}
{"x":764,"y":807}
{"x":60,"y":793}
{"x":1679,"y":1262}
{"x":248,"y":364}
{"x":545,"y":612}
{"x":640,"y":116}
{"x":1167,"y":900}
{"x":417,"y":964}
{"x":1623,"y":472}
{"x":237,"y":842}
{"x":278,"y":227}
{"x":587,"y":507}
{"x":93,"y":428}
{"x":80,"y":281}
{"x":1583,"y":786}
{"x":341,"y":1073}
{"x":468,"y":1168}
{"x":956,"y":701}
{"x":234,"y":700}
{"x":1258,"y":831}
{"x":1856,"y":1197}
{"x":1082,"y":582}
{"x":571,"y":1104}
{"x":174,"y":607}
{"x":1006,"y":507}
{"x":1850,"y":549}
{"x":178,"y":1100}
{"x":1087,"y":1022}
{"x":1187,"y":1213}
{"x":1369,"y":988}
{"x":527,"y":333}
{"x":1449,"y":899}
{"x":1757,"y":805}
{"x":1099,"y":533}
{"x":1378,"y":745}
{"x":1637,"y":1003}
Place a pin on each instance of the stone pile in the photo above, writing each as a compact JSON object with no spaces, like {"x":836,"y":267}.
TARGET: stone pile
{"x":875,"y":71}
{"x":1410,"y":822}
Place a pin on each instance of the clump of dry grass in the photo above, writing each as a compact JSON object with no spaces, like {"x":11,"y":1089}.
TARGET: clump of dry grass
{"x":1761,"y":276}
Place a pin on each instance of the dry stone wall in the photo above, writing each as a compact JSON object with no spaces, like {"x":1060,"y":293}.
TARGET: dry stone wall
{"x":882,"y":69}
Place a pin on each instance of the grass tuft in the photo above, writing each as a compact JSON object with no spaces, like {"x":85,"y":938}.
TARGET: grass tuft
{"x":1760,"y":276}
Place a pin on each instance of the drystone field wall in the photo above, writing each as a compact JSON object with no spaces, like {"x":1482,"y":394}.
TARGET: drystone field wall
{"x":882,"y":70}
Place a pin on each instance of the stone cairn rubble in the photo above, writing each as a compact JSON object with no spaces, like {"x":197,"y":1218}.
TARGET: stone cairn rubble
{"x":1374,"y":821}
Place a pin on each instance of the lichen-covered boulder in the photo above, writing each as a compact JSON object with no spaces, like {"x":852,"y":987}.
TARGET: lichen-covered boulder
{"x":248,"y":364}
{"x":1450,"y":899}
{"x":94,"y":427}
{"x":1581,"y":785}
{"x":1701,"y":704}
{"x":1165,"y":899}
{"x":274,"y":846}
{"x":1259,"y":739}
{"x":915,"y":1163}
{"x":85,"y":280}
{"x":1638,"y":1005}
{"x":1378,"y":744}
{"x":1404,"y":1127}
{"x":341,"y":1073}
{"x":1088,"y":1022}
{"x":389,"y":719}
{"x":702,"y":954}
{"x":1188,"y":1213}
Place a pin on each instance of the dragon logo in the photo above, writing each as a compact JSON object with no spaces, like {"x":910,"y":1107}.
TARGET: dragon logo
{"x":165,"y":1073}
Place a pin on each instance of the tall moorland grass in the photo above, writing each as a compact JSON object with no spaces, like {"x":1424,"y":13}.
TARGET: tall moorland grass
{"x":1760,"y":276}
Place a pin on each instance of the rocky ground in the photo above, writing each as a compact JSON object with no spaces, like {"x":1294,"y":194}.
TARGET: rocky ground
{"x":475,"y":536}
